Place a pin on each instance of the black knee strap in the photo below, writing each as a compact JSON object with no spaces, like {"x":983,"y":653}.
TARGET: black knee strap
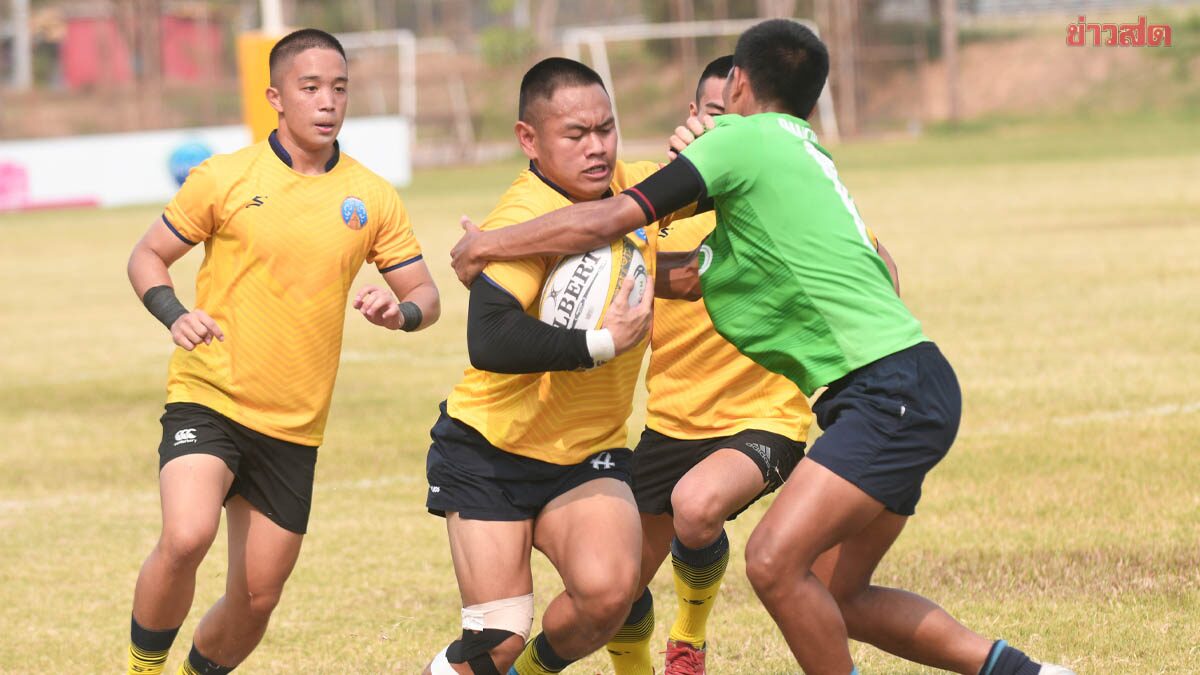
{"x":473,"y":647}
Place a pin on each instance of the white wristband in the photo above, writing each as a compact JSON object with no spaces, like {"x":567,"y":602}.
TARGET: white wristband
{"x":600,"y":346}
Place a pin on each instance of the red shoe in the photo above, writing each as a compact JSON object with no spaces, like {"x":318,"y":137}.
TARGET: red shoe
{"x":684,"y":658}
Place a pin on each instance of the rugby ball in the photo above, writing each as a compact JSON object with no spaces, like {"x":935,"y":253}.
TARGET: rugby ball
{"x":580,"y":288}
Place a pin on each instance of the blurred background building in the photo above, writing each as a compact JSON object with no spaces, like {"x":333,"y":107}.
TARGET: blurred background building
{"x":70,"y":67}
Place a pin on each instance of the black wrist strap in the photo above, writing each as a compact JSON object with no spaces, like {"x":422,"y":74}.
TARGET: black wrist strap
{"x":162,"y":304}
{"x":411,"y":314}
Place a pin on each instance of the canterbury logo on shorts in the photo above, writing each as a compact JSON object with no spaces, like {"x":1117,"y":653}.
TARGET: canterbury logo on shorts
{"x":185,"y":436}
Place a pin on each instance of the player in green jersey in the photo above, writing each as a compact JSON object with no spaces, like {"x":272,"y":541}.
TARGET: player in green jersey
{"x":791,"y":278}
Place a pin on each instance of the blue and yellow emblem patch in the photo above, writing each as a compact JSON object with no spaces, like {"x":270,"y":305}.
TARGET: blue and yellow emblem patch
{"x":354,"y":213}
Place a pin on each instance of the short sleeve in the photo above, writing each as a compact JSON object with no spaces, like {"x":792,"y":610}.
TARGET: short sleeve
{"x":192,"y":214}
{"x":395,"y":244}
{"x":718,"y":154}
{"x":523,"y":278}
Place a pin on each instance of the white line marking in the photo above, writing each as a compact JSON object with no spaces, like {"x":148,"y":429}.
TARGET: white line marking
{"x":1168,"y":410}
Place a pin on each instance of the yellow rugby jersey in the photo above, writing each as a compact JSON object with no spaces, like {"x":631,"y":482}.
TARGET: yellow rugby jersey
{"x":559,"y":417}
{"x":281,"y":250}
{"x":700,"y":385}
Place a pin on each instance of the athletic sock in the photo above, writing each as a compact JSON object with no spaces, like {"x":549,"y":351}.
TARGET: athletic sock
{"x":148,"y":648}
{"x":630,"y":647}
{"x":1005,"y":660}
{"x":698,"y":575}
{"x":198,"y":664}
{"x":539,"y":658}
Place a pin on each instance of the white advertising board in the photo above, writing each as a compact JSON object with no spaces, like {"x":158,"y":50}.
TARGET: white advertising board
{"x":145,"y":167}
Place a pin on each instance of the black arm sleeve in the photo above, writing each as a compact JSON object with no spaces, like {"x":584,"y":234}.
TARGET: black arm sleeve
{"x":502,"y":338}
{"x":671,"y":188}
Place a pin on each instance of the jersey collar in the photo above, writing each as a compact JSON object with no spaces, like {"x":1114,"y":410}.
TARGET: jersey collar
{"x":554,"y":186}
{"x":286,"y":158}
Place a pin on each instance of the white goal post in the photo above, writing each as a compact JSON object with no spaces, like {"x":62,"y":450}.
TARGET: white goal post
{"x":407,"y":47}
{"x":597,"y":37}
{"x":405,"y":44}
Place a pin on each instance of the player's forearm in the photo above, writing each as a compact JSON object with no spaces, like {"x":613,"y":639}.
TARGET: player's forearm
{"x":146,"y":270}
{"x":428,"y":300}
{"x":502,"y":338}
{"x":573,"y":229}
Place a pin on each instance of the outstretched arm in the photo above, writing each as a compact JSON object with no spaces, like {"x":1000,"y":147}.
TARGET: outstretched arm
{"x":583,"y":226}
{"x":572,"y":229}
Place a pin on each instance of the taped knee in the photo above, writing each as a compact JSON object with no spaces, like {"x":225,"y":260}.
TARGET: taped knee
{"x":487,"y":625}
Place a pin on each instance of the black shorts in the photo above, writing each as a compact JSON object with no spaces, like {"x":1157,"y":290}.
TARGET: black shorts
{"x":888,"y":423}
{"x":275,"y":476}
{"x":659,"y":462}
{"x":471,"y":477}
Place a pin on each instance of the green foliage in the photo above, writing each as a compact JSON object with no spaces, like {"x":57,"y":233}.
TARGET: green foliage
{"x":1185,"y":46}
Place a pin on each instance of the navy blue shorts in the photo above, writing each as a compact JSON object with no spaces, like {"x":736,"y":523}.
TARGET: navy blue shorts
{"x":470,"y":476}
{"x":888,"y":423}
{"x":275,"y":476}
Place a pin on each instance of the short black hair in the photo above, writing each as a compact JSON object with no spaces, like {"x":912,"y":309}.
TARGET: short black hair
{"x":786,"y":64}
{"x":548,"y":76}
{"x":293,"y":43}
{"x":719,"y":67}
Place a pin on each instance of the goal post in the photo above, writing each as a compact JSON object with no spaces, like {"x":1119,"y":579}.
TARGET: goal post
{"x":596,"y":39}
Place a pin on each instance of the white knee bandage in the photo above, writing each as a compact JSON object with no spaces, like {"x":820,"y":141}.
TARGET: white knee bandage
{"x":514,"y":615}
{"x":441,"y":666}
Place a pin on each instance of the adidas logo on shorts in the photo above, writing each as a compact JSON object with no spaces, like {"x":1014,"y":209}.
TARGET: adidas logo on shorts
{"x":185,"y":436}
{"x":763,"y":450}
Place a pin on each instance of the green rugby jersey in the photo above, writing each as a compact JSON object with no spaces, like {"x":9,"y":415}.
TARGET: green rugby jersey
{"x":790,"y":275}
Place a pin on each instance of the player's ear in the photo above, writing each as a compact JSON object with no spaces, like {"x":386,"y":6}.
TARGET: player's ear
{"x":273,"y":99}
{"x":527,"y":137}
{"x":736,"y":87}
{"x":692,"y":109}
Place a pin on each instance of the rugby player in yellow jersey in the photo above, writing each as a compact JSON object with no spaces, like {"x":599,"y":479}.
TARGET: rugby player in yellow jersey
{"x":721,"y":431}
{"x":529,"y":450}
{"x":286,"y":225}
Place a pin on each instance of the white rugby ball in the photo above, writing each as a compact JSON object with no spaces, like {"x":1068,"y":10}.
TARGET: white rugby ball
{"x":580,"y":287}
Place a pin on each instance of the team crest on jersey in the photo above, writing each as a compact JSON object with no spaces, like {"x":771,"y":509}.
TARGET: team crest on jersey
{"x":354,"y":213}
{"x":641,"y":233}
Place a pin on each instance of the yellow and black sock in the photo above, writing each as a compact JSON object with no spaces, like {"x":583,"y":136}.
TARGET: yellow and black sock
{"x":698,"y":575}
{"x":539,"y":658}
{"x":630,"y":647}
{"x":148,"y":649}
{"x":198,"y":664}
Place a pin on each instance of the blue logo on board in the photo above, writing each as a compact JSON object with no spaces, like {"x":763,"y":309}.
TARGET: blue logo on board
{"x":186,"y":157}
{"x":354,"y":213}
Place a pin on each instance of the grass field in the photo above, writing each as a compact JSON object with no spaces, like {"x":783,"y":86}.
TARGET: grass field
{"x":1054,"y":262}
